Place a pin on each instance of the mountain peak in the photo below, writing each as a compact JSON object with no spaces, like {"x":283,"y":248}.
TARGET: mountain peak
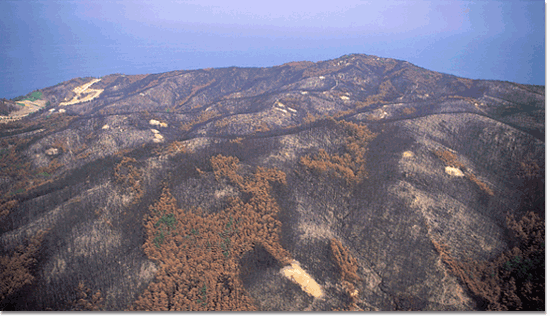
{"x":358,"y":183}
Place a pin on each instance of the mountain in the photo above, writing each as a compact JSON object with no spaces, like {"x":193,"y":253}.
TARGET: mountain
{"x":359,"y":183}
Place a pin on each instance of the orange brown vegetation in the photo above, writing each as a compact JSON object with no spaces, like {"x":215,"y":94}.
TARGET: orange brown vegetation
{"x":203,"y":117}
{"x":529,"y":169}
{"x":237,"y":140}
{"x":223,"y":122}
{"x":86,"y":301}
{"x":129,"y":176}
{"x":349,"y":166}
{"x":468,"y":99}
{"x":298,"y":65}
{"x":424,"y":78}
{"x":449,"y":158}
{"x":60,"y":144}
{"x":80,"y":151}
{"x":262,"y":127}
{"x":6,"y":207}
{"x":55,"y":121}
{"x":17,"y":166}
{"x":198,"y":255}
{"x":171,"y":149}
{"x":348,"y":271}
{"x":107,"y":80}
{"x":226,"y":167}
{"x":293,"y":101}
{"x":341,"y":114}
{"x":194,"y":90}
{"x":311,"y":118}
{"x":151,"y":84}
{"x":372,"y":117}
{"x":15,"y":269}
{"x":313,"y":71}
{"x":515,"y":279}
{"x":11,"y":159}
{"x":482,"y":185}
{"x":14,"y":164}
{"x":83,"y":154}
{"x":467,"y":82}
{"x":409,"y":111}
{"x":385,"y":90}
{"x":134,"y":78}
{"x":389,"y":65}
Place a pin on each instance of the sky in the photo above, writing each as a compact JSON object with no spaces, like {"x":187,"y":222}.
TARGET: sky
{"x":44,"y":42}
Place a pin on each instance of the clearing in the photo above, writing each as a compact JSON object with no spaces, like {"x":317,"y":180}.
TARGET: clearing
{"x":295,"y":273}
{"x":84,"y":93}
{"x":27,"y":107}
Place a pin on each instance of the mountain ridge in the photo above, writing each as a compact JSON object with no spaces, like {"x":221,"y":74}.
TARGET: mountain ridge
{"x":362,"y":160}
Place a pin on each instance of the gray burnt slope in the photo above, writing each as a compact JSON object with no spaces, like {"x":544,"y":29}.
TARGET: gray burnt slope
{"x":271,"y":117}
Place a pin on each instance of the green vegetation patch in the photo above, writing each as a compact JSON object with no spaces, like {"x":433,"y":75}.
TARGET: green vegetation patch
{"x":18,"y":191}
{"x":525,"y":268}
{"x":159,"y":238}
{"x":202,"y":294}
{"x":36,"y":95}
{"x":167,"y":219}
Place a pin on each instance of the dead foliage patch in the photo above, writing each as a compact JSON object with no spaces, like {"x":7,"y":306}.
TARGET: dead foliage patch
{"x":482,"y":185}
{"x":261,"y":127}
{"x":237,"y":140}
{"x":16,"y":268}
{"x":316,"y":71}
{"x":86,"y":301}
{"x":129,"y":176}
{"x":198,"y":255}
{"x":6,"y":207}
{"x":309,"y":118}
{"x":349,"y":166}
{"x":450,"y":159}
{"x":409,"y":111}
{"x":529,"y":169}
{"x":341,"y":114}
{"x":175,"y":147}
{"x":512,"y":281}
{"x":203,"y":117}
{"x":194,"y":90}
{"x":16,"y":165}
{"x":348,"y":272}
{"x":386,"y":90}
{"x":299,"y":65}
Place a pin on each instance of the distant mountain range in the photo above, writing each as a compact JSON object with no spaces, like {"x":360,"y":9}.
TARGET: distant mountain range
{"x":359,"y":183}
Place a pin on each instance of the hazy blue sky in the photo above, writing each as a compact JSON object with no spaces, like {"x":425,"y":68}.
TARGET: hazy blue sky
{"x":44,"y":42}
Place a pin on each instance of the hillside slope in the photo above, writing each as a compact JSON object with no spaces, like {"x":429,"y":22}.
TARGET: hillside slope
{"x":392,"y":186}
